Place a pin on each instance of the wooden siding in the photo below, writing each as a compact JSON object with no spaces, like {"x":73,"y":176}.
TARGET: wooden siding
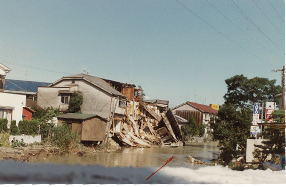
{"x":196,"y":115}
{"x":76,"y":128}
{"x":93,"y":130}
{"x":128,"y":92}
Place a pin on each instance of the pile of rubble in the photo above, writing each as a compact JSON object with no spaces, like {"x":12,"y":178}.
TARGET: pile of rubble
{"x":144,"y":125}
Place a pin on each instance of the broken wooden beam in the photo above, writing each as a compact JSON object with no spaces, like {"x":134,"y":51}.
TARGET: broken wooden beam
{"x":168,"y":125}
{"x":138,"y":140}
{"x":174,"y":124}
{"x":126,"y":140}
{"x":150,"y":111}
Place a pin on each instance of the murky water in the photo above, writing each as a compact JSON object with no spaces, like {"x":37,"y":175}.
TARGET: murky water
{"x":142,"y":157}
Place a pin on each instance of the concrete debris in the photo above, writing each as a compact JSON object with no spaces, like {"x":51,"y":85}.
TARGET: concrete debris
{"x":143,"y":125}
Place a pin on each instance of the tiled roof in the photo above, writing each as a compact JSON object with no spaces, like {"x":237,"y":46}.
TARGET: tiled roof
{"x":25,"y":86}
{"x":203,"y":108}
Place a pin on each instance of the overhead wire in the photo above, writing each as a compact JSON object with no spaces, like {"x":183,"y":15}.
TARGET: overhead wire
{"x":276,"y":11}
{"x":265,"y":15}
{"x":215,"y":29}
{"x":39,"y":68}
{"x":231,"y":21}
{"x":247,"y":18}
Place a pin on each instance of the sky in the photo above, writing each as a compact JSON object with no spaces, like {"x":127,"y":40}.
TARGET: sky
{"x":176,"y":50}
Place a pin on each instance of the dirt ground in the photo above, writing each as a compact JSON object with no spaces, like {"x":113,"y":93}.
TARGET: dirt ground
{"x":33,"y":152}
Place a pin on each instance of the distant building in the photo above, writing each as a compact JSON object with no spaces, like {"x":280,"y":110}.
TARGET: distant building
{"x":202,"y":114}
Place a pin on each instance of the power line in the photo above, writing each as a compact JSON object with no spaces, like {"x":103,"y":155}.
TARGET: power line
{"x":254,"y":24}
{"x":276,"y":11}
{"x":269,"y":20}
{"x":39,"y":68}
{"x":220,"y":12}
{"x":212,"y":27}
{"x":231,"y":21}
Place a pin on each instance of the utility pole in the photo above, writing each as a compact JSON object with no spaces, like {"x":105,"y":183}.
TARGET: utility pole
{"x":282,"y":84}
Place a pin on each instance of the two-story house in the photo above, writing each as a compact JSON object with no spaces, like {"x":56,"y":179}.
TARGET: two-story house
{"x":99,"y":97}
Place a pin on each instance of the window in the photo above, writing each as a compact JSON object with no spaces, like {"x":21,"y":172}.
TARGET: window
{"x":122,"y":103}
{"x":65,"y":99}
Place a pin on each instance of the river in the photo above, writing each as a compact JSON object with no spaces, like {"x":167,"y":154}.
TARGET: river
{"x":142,"y":157}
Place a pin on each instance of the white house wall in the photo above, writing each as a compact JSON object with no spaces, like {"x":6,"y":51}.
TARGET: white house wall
{"x":16,"y":101}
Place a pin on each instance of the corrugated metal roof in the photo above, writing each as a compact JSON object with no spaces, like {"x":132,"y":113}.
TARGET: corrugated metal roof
{"x":25,"y":86}
{"x":97,"y":82}
{"x":76,"y":116}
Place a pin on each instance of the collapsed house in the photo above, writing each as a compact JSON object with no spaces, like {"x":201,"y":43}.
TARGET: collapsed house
{"x":144,"y":125}
{"x":127,"y":118}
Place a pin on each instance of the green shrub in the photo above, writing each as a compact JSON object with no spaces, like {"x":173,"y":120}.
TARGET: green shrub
{"x":45,"y":118}
{"x":75,"y":103}
{"x":4,"y":139}
{"x":192,"y":129}
{"x":3,"y":125}
{"x":29,"y":127}
{"x":16,"y":143}
{"x":14,"y":130}
{"x":63,"y":138}
{"x":46,"y":130}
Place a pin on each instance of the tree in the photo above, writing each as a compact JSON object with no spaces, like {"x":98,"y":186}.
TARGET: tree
{"x":232,"y":127}
{"x":231,"y":130}
{"x":45,"y":118}
{"x":243,"y":92}
{"x":75,"y":103}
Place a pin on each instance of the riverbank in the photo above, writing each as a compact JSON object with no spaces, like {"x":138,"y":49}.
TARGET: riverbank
{"x":20,"y":172}
{"x":115,"y":157}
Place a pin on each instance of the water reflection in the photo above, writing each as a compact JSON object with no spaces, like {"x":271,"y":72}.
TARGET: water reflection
{"x":142,"y":157}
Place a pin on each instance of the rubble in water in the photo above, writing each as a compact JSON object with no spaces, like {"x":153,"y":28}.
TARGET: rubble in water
{"x":144,"y":126}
